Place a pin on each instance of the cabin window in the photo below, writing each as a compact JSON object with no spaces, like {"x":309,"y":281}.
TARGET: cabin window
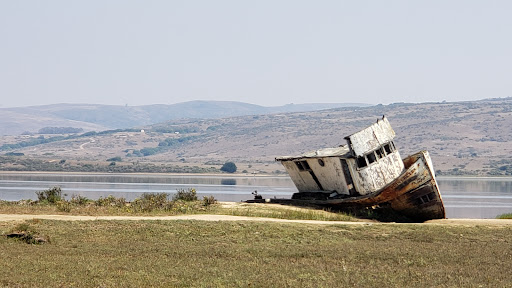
{"x":380,"y":153}
{"x":303,"y":165}
{"x":374,"y":156}
{"x":321,"y":162}
{"x":389,"y":147}
{"x":361,"y":162}
{"x":371,"y":157}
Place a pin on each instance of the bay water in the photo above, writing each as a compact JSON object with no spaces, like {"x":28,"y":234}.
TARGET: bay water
{"x":464,"y":197}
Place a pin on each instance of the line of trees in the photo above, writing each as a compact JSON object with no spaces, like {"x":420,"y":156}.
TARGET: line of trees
{"x":60,"y":130}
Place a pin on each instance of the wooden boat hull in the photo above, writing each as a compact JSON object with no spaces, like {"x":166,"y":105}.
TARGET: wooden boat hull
{"x":414,"y":194}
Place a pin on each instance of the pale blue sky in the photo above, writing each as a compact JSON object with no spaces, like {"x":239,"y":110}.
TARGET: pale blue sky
{"x":262,"y":52}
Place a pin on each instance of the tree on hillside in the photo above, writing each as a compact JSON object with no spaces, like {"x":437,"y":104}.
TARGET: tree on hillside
{"x":229,"y":167}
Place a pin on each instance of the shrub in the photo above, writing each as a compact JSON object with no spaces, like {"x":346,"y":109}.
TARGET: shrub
{"x":79,"y":200}
{"x":209,"y":200}
{"x":149,"y":151}
{"x":23,"y":202}
{"x":63,"y":206}
{"x":185,"y":195}
{"x":152,"y":201}
{"x":229,"y":167}
{"x":110,"y":201}
{"x":52,"y":195}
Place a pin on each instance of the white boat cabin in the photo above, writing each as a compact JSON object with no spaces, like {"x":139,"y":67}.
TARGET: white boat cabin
{"x":365,"y":165}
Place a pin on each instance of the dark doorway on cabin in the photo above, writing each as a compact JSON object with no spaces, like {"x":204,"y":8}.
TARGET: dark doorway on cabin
{"x":348,"y":177}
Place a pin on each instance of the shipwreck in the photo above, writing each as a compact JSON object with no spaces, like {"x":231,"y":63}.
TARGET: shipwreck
{"x":368,"y":172}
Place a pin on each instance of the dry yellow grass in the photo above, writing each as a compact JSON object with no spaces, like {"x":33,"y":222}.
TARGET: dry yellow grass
{"x":256,"y":254}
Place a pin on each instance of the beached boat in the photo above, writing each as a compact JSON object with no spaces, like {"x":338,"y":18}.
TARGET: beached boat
{"x":367,"y":172}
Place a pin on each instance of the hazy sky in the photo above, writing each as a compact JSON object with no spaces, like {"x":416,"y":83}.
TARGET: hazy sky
{"x":262,"y":52}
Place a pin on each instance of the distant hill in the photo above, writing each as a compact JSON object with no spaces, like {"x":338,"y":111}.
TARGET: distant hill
{"x":463,"y":138}
{"x":14,"y":121}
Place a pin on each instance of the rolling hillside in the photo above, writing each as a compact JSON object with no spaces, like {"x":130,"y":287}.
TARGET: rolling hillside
{"x":91,"y":117}
{"x":464,"y":138}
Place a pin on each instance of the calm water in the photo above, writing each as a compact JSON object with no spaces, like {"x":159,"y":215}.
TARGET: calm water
{"x":463,"y":197}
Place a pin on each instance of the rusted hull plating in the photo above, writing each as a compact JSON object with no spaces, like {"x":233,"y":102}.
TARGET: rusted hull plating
{"x":414,"y":193}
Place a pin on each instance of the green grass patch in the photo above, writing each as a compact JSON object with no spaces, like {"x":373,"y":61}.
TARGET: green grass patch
{"x":505,"y":216}
{"x":243,"y":254}
{"x":286,"y":212}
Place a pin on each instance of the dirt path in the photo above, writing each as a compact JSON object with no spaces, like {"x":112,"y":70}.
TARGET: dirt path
{"x":203,"y":217}
{"x":83,"y":145}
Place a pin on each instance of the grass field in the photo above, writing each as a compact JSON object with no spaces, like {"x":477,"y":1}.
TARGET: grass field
{"x":255,"y":254}
{"x":186,"y":253}
{"x":157,"y":204}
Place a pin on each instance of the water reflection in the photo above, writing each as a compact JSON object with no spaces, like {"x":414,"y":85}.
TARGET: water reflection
{"x":16,"y":186}
{"x":228,"y":181}
{"x":479,"y":197}
{"x":463,"y":197}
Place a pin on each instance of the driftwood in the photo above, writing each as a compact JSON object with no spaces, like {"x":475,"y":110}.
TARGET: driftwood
{"x":27,"y":237}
